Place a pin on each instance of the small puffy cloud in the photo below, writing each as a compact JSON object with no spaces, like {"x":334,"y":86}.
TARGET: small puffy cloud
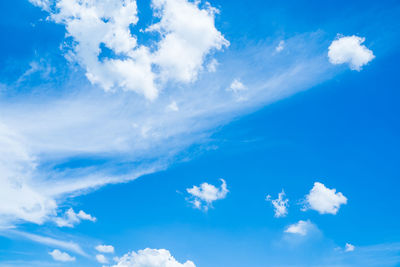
{"x":280,"y":204}
{"x":280,"y":46}
{"x":237,"y":86}
{"x":300,"y":228}
{"x":71,"y":218}
{"x":323,"y":199}
{"x":101,"y":258}
{"x":61,"y":256}
{"x":150,"y":258}
{"x":105,"y":248}
{"x":349,"y":247}
{"x":202,"y":196}
{"x":349,"y":49}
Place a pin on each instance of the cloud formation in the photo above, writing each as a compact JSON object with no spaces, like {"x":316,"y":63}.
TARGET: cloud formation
{"x":150,"y":258}
{"x":350,"y":50}
{"x":47,"y":130}
{"x":300,"y":228}
{"x":61,"y":256}
{"x":280,"y":204}
{"x":71,"y":218}
{"x":324,"y":200}
{"x":45,"y":240}
{"x":104,"y":41}
{"x":204,"y":195}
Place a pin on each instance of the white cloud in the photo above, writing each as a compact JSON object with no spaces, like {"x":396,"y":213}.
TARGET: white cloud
{"x":49,"y":241}
{"x":44,"y":4}
{"x":323,"y":199}
{"x":105,"y":248}
{"x":61,"y":256}
{"x":237,"y":86}
{"x":20,"y":194}
{"x":150,"y":258}
{"x":280,"y":46}
{"x":42,"y":132}
{"x":187,"y":33}
{"x":71,"y":218}
{"x":349,"y":49}
{"x":300,"y":228}
{"x":280,"y":204}
{"x":349,"y":247}
{"x":101,"y":258}
{"x":203,"y":196}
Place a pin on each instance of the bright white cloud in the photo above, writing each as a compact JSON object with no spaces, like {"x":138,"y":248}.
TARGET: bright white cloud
{"x":300,"y":228}
{"x":105,"y":248}
{"x":61,"y":256}
{"x":150,"y":258}
{"x":350,"y":50}
{"x":204,"y":195}
{"x":71,"y":218}
{"x":349,"y":247}
{"x":323,"y":199}
{"x":280,"y":204}
{"x":280,"y":46}
{"x":101,"y":259}
{"x":187,"y":33}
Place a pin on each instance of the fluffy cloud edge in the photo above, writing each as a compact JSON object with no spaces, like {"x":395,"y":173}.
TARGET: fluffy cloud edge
{"x":324,"y":200}
{"x":350,"y":50}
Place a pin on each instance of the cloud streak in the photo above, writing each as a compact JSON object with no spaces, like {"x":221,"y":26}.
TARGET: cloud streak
{"x":70,"y":143}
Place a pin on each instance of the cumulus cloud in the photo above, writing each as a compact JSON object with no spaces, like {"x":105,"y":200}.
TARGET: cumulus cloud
{"x":71,"y":218}
{"x":280,"y":204}
{"x":204,"y":195}
{"x":150,"y":258}
{"x":105,"y":248}
{"x":300,"y":228}
{"x":350,"y":50}
{"x":349,"y":247}
{"x":323,"y":199}
{"x":61,"y":256}
{"x":187,"y":34}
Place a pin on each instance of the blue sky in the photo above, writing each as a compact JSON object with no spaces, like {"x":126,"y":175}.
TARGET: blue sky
{"x":119,"y":119}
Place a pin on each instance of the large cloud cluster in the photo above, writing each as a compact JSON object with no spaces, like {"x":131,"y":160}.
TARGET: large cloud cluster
{"x":104,"y":41}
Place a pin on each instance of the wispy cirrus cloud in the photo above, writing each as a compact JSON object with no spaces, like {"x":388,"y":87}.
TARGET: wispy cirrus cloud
{"x":45,"y":240}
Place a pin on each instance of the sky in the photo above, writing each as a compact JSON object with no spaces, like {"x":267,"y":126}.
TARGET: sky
{"x":179,"y":133}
